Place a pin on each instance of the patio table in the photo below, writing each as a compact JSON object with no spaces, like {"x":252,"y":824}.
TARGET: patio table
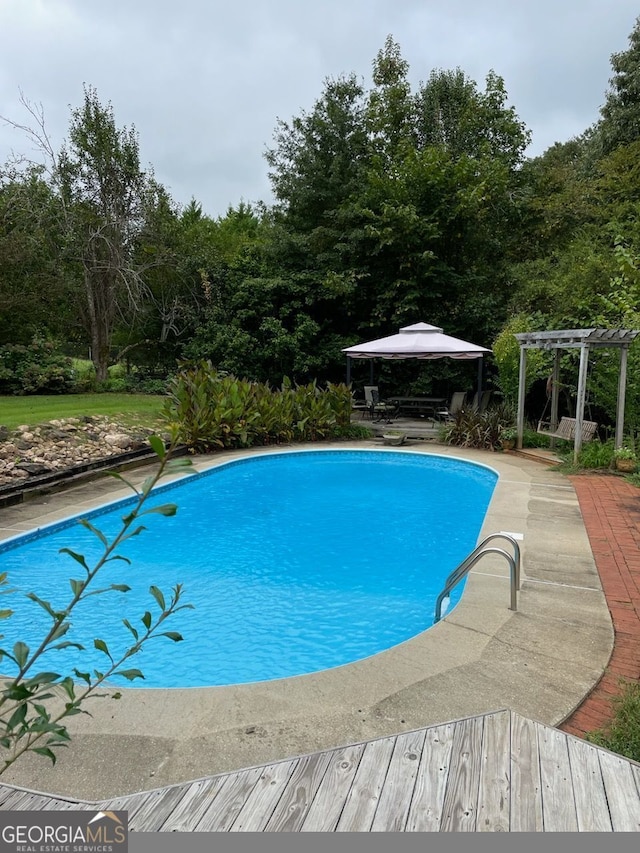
{"x":418,"y":406}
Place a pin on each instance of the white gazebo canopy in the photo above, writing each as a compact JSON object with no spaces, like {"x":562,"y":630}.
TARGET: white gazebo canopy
{"x":418,"y":341}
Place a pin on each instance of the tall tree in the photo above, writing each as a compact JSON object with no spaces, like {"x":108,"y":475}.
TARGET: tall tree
{"x":620,"y":123}
{"x":105,"y":195}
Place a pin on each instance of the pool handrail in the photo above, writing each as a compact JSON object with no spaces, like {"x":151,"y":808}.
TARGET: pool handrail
{"x":467,"y":564}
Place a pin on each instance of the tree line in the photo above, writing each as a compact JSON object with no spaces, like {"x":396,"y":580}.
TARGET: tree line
{"x":392,"y":206}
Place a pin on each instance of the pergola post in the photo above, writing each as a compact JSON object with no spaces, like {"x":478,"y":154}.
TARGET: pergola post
{"x":622,"y":385}
{"x":580,"y":401}
{"x":522,"y":381}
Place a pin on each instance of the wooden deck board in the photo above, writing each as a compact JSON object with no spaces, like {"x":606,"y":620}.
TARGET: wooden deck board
{"x":495,"y":772}
{"x":622,"y":792}
{"x":461,"y":798}
{"x":425,"y":813}
{"x":592,"y":810}
{"x":526,"y":786}
{"x":493,"y":812}
{"x":558,"y":804}
{"x":397,"y":791}
{"x":303,"y":785}
{"x":325,"y":809}
{"x":364,"y":794}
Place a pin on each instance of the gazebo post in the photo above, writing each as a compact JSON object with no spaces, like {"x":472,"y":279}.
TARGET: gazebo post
{"x":348,"y":370}
{"x":622,"y":385}
{"x":480,"y":371}
{"x":522,"y":381}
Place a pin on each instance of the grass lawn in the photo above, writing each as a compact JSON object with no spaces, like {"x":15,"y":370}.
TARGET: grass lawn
{"x":143,"y":409}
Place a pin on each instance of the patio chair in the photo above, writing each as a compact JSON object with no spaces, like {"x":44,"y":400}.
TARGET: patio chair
{"x":481,"y":401}
{"x":376,"y":408}
{"x":458,"y":399}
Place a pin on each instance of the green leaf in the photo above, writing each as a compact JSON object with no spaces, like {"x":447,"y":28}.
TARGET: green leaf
{"x":159,"y":597}
{"x":178,"y":464}
{"x":118,"y":556}
{"x":61,"y":630}
{"x":147,"y":485}
{"x":21,"y":653}
{"x":128,"y":625}
{"x":146,"y":620}
{"x":94,"y":530}
{"x":129,"y":674}
{"x":164,"y":509}
{"x":83,"y":676}
{"x":69,"y":687}
{"x":76,"y":586}
{"x":42,"y":678}
{"x":122,"y":480}
{"x":120,"y":587}
{"x":5,"y":614}
{"x":172,"y":635}
{"x":79,"y":558}
{"x":44,"y":750}
{"x":67,"y":644}
{"x":157,"y":445}
{"x":44,"y":604}
{"x":18,"y":717}
{"x":101,"y":646}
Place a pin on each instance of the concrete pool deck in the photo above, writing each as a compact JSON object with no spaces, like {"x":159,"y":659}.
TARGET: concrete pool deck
{"x":539,"y":661}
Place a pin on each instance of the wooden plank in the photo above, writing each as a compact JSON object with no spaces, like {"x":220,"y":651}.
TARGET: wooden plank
{"x":292,"y":808}
{"x":425,"y":813}
{"x":494,"y":795}
{"x":130,"y":802}
{"x":324,"y":812}
{"x":558,"y":804}
{"x":592,"y":810}
{"x":364,"y":794}
{"x":526,"y":796}
{"x":397,"y":792}
{"x":460,"y":807}
{"x":230,"y":799}
{"x":264,"y":797}
{"x":155,"y":809}
{"x":622,"y":792}
{"x":197,"y":800}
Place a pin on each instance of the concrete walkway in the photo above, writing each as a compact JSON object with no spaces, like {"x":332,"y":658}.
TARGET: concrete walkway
{"x":610,"y":508}
{"x":539,"y":661}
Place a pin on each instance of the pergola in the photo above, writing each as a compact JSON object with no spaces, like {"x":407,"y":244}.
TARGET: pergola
{"x":585,"y":340}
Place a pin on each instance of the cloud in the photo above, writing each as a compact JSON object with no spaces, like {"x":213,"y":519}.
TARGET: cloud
{"x":205,"y":82}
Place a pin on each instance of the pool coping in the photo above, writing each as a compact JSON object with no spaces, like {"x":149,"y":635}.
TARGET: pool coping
{"x":539,"y":661}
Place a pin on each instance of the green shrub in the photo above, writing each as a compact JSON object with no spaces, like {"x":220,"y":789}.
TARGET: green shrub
{"x":482,"y":430}
{"x":211,"y":410}
{"x":596,"y":454}
{"x":622,"y":735}
{"x":34,"y":369}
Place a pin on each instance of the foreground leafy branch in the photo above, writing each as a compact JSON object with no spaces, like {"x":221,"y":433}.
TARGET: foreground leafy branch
{"x":35,"y":704}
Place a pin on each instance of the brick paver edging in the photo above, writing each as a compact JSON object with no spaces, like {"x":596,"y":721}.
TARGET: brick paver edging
{"x":610,"y":508}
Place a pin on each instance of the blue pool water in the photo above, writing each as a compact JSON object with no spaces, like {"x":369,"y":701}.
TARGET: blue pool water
{"x":295,"y":562}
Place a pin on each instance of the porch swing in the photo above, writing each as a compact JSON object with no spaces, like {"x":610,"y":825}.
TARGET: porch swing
{"x":565,"y":429}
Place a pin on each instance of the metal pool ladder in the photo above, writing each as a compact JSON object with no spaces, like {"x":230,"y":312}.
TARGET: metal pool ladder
{"x":467,"y":564}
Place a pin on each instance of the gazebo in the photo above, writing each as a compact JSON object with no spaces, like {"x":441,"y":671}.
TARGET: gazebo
{"x":417,"y":341}
{"x":584,"y":340}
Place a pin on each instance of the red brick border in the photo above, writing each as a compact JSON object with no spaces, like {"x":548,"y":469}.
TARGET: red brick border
{"x":611,"y":511}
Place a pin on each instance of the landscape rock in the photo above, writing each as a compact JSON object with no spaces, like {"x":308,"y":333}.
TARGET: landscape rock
{"x":62,"y":444}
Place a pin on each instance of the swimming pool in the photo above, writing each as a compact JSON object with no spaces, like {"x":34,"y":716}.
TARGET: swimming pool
{"x":295,"y":562}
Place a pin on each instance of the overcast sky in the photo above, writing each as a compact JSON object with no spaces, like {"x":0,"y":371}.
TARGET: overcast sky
{"x":205,"y":81}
